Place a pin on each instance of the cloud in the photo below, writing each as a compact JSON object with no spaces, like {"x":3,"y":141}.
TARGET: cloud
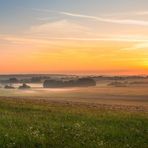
{"x":68,"y":30}
{"x":139,"y":46}
{"x":59,"y":29}
{"x":102,"y":19}
{"x":32,"y":38}
{"x":107,"y":20}
{"x":127,"y":14}
{"x":77,"y":31}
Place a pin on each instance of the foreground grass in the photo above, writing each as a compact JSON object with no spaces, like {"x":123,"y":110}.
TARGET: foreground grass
{"x":28,"y":123}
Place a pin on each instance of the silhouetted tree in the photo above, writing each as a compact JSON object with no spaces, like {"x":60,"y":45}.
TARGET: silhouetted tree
{"x":24,"y":86}
{"x":13,"y":80}
{"x":81,"y":82}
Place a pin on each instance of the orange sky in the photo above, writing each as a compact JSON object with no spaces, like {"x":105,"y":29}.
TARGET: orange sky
{"x":104,"y":57}
{"x":65,"y":39}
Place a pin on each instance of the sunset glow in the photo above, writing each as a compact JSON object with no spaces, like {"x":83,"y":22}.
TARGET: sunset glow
{"x":59,"y":37}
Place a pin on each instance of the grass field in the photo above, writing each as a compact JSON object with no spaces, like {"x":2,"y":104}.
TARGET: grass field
{"x":42,"y":123}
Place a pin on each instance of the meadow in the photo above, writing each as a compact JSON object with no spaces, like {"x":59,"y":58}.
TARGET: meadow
{"x":41,"y":123}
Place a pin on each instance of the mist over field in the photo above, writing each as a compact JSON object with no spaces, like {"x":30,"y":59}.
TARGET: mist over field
{"x":112,"y":90}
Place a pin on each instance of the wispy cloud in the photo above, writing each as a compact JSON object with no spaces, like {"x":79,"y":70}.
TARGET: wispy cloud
{"x":101,"y":19}
{"x":107,"y":20}
{"x":138,"y":46}
{"x":127,"y":14}
{"x":139,"y":42}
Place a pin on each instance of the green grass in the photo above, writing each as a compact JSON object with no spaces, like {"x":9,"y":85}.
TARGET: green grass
{"x":32,"y":123}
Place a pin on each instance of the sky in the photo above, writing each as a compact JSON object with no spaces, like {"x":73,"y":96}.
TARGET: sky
{"x":74,"y":36}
